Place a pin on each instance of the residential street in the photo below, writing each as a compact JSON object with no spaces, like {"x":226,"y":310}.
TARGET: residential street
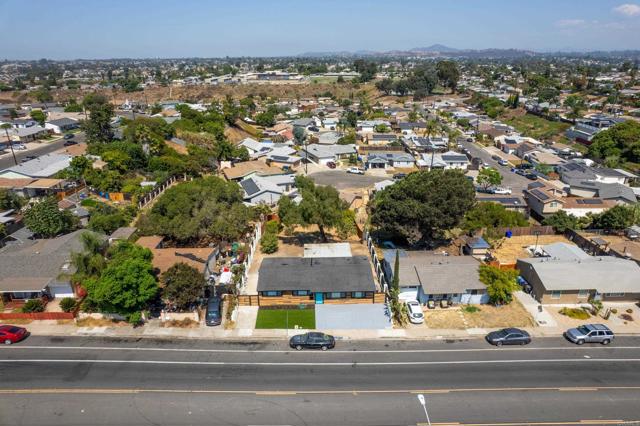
{"x":511,"y":180}
{"x":6,"y":160}
{"x":91,"y":381}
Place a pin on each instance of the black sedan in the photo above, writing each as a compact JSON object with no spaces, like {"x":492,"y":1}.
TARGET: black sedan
{"x":312,"y":341}
{"x":509,"y":336}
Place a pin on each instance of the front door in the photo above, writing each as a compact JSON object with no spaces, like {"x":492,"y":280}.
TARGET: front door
{"x":319,"y":298}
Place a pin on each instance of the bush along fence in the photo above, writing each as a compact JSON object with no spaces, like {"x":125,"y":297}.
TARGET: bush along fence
{"x":254,"y":240}
{"x":159,"y":190}
{"x":377,"y":265}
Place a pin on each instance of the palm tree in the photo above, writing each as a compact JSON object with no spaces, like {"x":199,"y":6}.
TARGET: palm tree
{"x":431,"y":127}
{"x":6,"y":127}
{"x":91,"y":261}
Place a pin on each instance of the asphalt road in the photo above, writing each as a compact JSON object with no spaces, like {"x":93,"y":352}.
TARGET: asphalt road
{"x":6,"y":160}
{"x":511,"y":180}
{"x":87,"y":381}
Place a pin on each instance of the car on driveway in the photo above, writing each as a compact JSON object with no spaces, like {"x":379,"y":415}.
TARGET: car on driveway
{"x":399,"y":176}
{"x":10,"y":334}
{"x":214,"y":311}
{"x":69,"y":136}
{"x":509,"y":336}
{"x":69,"y":143}
{"x":355,"y":170}
{"x":501,"y":191}
{"x":590,"y":333}
{"x":531,"y":176}
{"x":19,"y":146}
{"x":313,"y":340}
{"x":414,"y":312}
{"x":331,"y":165}
{"x":503,"y":162}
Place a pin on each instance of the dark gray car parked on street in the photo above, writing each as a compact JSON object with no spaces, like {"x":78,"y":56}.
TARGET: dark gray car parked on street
{"x":509,"y":336}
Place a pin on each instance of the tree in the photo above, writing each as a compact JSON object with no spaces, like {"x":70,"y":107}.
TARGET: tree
{"x":561,"y":221}
{"x":423,"y":205}
{"x":395,"y":282}
{"x":269,"y":243}
{"x":6,"y":127}
{"x":381,"y":128}
{"x":265,"y":119}
{"x":621,"y":140}
{"x":489,"y":215}
{"x":299,"y":134}
{"x":616,"y":218}
{"x":45,"y":219}
{"x":91,"y":261}
{"x":385,"y":85}
{"x":39,"y":116}
{"x":98,"y":127}
{"x":500,"y":283}
{"x":367,"y":69}
{"x":448,"y":74}
{"x":347,"y":224}
{"x":489,"y":177}
{"x":9,"y":200}
{"x":78,"y":167}
{"x":183,"y":285}
{"x":577,"y":105}
{"x":125,"y":286}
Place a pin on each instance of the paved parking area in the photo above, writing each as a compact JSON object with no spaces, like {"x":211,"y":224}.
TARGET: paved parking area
{"x":357,"y":316}
{"x":340,"y":179}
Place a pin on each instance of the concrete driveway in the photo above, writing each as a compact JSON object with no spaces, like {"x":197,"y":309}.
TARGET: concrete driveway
{"x":357,"y":316}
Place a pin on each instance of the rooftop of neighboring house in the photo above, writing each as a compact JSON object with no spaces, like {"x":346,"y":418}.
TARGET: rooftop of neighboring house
{"x":390,"y":156}
{"x":327,"y":274}
{"x":32,"y":264}
{"x":43,"y":166}
{"x":328,"y":151}
{"x":570,"y":270}
{"x":607,"y":191}
{"x":63,"y":122}
{"x":545,"y":193}
{"x":240,"y":170}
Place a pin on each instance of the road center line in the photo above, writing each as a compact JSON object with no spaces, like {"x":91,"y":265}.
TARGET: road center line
{"x":398,"y":351}
{"x":318,"y":364}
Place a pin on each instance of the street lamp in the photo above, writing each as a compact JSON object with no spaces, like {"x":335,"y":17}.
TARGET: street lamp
{"x":537,"y":234}
{"x":423,"y":402}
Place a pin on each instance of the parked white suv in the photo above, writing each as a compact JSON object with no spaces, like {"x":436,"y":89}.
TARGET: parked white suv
{"x":501,"y":191}
{"x":355,"y":170}
{"x":414,"y":312}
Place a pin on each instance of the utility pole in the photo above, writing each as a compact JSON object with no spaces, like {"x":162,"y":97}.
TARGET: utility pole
{"x":6,"y":131}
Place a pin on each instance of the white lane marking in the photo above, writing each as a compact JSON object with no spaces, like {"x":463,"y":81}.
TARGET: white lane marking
{"x":392,"y":351}
{"x":317,"y":364}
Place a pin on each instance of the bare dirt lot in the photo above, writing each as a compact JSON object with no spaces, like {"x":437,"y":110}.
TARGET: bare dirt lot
{"x":511,"y":249}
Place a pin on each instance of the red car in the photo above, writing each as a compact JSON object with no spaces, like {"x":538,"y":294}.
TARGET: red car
{"x":11,"y":334}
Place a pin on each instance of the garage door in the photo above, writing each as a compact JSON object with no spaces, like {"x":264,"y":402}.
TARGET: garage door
{"x":61,"y":290}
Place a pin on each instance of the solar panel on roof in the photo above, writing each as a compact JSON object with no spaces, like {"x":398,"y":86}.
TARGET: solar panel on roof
{"x":536,"y":185}
{"x":249,"y":186}
{"x":591,"y":201}
{"x":541,"y":195}
{"x":279,"y":158}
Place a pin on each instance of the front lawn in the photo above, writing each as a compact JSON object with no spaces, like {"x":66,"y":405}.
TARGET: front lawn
{"x":277,"y":318}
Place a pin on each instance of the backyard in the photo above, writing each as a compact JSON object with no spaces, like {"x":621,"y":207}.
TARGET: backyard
{"x":286,"y":318}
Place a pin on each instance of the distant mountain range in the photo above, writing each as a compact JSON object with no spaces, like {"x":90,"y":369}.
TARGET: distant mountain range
{"x":440,"y":50}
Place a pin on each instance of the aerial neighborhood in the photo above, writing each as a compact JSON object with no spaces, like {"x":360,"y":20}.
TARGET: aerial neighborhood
{"x":396,"y":197}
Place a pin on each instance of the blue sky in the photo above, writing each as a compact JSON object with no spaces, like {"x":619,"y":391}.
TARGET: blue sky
{"x":69,"y":29}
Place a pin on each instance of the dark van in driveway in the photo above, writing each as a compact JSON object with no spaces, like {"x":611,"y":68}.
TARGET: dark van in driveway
{"x":214,"y":311}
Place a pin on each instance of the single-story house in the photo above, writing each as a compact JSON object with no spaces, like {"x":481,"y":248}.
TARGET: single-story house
{"x":447,"y":160}
{"x":24,"y":134}
{"x":35,"y":268}
{"x":124,"y":233}
{"x":617,"y":192}
{"x":42,"y":167}
{"x":384,"y":160}
{"x":61,"y":125}
{"x":293,"y":281}
{"x":380,"y":138}
{"x":328,"y":138}
{"x":256,"y":149}
{"x":323,"y":154}
{"x":266,"y":189}
{"x":248,"y":169}
{"x":569,"y":276}
{"x":425,"y":276}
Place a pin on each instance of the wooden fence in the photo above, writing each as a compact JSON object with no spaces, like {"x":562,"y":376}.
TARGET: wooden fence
{"x":527,"y":230}
{"x":248,"y":300}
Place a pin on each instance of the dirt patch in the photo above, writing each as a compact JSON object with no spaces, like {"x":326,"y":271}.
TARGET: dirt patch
{"x":99,"y":322}
{"x":293,"y":245}
{"x":489,"y":316}
{"x":21,"y":321}
{"x":446,"y":319}
{"x":185,"y":323}
{"x":508,"y":250}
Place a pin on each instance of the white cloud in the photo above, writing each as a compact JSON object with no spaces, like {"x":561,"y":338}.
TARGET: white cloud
{"x":570,"y":23}
{"x":628,"y":9}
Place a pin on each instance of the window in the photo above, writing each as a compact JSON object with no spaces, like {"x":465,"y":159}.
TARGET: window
{"x":553,"y":204}
{"x":614,"y":294}
{"x":300,"y":292}
{"x":358,"y":295}
{"x":583,"y":294}
{"x":336,"y":295}
{"x":272,"y":293}
{"x":556,"y":294}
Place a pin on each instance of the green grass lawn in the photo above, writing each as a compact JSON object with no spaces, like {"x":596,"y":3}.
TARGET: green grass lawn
{"x":537,"y":127}
{"x":277,"y":318}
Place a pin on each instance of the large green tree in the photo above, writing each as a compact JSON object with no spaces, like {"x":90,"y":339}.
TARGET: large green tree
{"x":621,"y":142}
{"x":489,"y":215}
{"x":183,"y":285}
{"x":448,"y":74}
{"x":501,"y":283}
{"x":39,"y":116}
{"x":9,"y":200}
{"x":47,"y":220}
{"x":422,"y":205}
{"x":488,"y":177}
{"x":98,"y":127}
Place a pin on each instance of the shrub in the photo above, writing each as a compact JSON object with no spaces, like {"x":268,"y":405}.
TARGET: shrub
{"x":135,"y":318}
{"x":626,"y":317}
{"x":471,"y":309}
{"x":68,"y":304}
{"x":596,"y":305}
{"x":629,"y":311}
{"x":575,"y":313}
{"x":33,"y":305}
{"x":269,"y":243}
{"x":272,"y":227}
{"x":614,"y":311}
